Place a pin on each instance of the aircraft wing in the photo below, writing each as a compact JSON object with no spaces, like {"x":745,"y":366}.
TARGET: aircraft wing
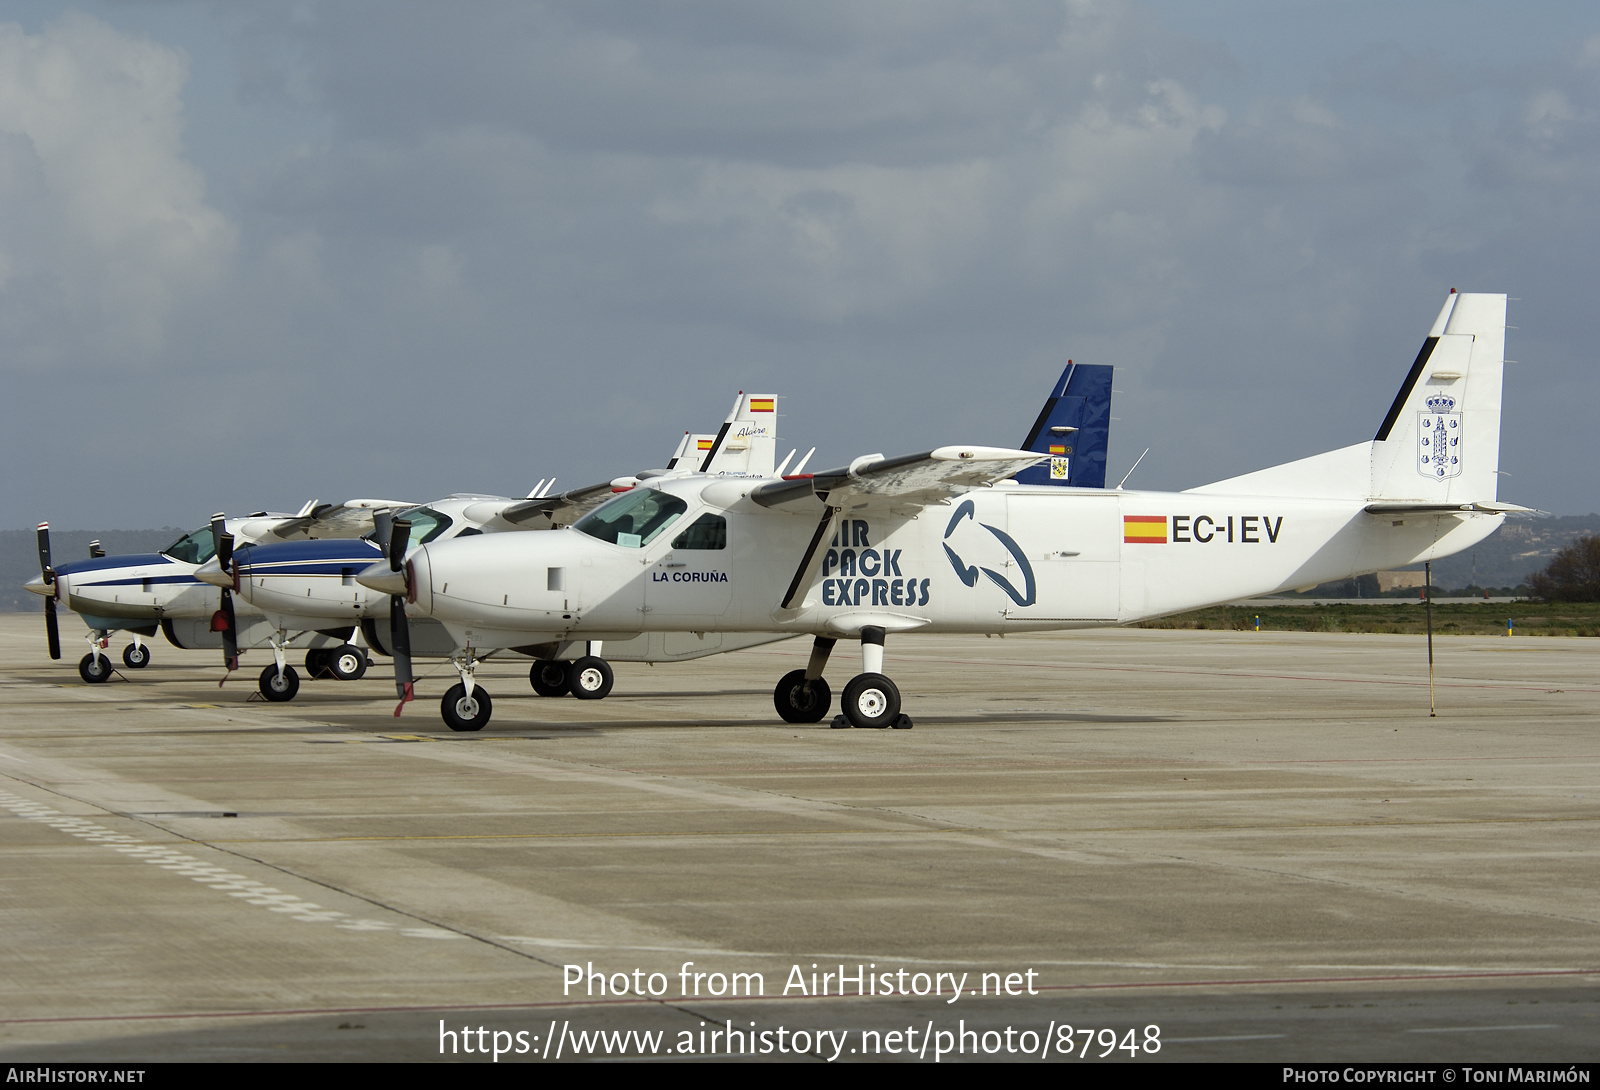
{"x":352,"y":518}
{"x":901,"y":485}
{"x":564,"y":507}
{"x":909,"y":481}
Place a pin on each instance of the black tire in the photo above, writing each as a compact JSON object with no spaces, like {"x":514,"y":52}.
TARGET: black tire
{"x":591,"y":678}
{"x":136,"y":656}
{"x":277,"y":687}
{"x":550,"y":677}
{"x":871,"y":700}
{"x":347,"y":662}
{"x":317,"y":663}
{"x":798,"y":702}
{"x":463,"y":713}
{"x":94,"y":668}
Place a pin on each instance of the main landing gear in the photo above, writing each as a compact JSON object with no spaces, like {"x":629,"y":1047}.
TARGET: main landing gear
{"x":869,"y":700}
{"x":346,"y":662}
{"x":588,"y":678}
{"x":136,"y":656}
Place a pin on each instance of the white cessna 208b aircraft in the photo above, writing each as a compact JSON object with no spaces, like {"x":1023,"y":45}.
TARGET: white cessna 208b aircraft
{"x":942,"y":541}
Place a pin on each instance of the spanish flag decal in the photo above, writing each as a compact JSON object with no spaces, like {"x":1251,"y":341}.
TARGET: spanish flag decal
{"x":1150,"y":529}
{"x":703,"y":444}
{"x":1058,"y":450}
{"x":762,"y":405}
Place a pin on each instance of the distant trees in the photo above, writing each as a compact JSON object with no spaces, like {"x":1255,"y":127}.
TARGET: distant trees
{"x":1573,"y":575}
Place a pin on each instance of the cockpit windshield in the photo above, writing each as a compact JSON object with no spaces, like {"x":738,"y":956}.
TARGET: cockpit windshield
{"x":633,"y":520}
{"x":426,"y":524}
{"x":194,"y":548}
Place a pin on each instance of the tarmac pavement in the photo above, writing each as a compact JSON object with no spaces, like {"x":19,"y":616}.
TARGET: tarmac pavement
{"x":1260,"y":843}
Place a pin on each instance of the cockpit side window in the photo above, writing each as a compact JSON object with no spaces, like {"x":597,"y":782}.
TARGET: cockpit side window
{"x":195,"y":548}
{"x":633,"y":520}
{"x":706,"y":532}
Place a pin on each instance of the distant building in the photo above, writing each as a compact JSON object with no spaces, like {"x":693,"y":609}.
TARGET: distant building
{"x":1397,"y":580}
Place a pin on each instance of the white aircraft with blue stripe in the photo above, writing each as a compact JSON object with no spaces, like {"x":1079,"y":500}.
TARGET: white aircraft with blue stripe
{"x":143,"y":593}
{"x":309,"y":586}
{"x":947,"y":541}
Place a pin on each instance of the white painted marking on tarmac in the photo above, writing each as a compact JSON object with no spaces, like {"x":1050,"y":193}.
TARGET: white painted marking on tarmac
{"x":1235,"y":1037}
{"x":214,"y":877}
{"x":1482,"y":1029}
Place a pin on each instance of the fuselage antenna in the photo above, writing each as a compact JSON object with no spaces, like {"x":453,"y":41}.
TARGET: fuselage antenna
{"x":1131,"y":468}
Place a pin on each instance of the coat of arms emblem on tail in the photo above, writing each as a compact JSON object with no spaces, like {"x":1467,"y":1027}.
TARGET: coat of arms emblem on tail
{"x":1439,"y":439}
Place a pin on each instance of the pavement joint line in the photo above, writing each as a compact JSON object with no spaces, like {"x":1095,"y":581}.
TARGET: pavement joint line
{"x":812,"y":999}
{"x":970,"y":831}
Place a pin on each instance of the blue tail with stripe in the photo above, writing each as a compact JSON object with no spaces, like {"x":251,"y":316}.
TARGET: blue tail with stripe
{"x":1074,"y":428}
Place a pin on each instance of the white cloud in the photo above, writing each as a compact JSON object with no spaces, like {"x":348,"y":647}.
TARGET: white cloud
{"x":107,"y":230}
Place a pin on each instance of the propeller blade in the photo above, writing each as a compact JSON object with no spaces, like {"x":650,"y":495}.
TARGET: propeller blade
{"x":382,"y":527}
{"x":229,"y":634}
{"x":399,"y":629}
{"x":400,"y":651}
{"x":52,"y":630}
{"x":399,"y":537}
{"x":225,"y":556}
{"x":45,"y":569}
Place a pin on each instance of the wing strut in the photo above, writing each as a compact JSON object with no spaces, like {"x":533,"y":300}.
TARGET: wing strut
{"x":797,"y":584}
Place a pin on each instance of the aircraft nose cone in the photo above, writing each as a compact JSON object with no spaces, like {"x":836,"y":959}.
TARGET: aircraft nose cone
{"x":381,"y":578}
{"x":211,"y":572}
{"x":36,"y":584}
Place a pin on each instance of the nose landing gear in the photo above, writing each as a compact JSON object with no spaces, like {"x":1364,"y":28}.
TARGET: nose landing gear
{"x":95,"y":667}
{"x":465,"y":707}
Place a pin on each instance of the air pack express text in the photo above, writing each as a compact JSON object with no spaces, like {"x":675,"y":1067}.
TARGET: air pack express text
{"x":866,"y":576}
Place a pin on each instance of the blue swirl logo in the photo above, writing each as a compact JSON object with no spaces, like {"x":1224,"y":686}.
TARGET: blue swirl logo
{"x":968,"y":573}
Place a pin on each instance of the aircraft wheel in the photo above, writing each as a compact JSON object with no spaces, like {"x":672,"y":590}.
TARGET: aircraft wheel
{"x":799,"y":703}
{"x":94,"y":668}
{"x":463,"y":712}
{"x":277,"y":687}
{"x":550,"y":678}
{"x":347,"y":662}
{"x":136,"y":656}
{"x":317,"y":662}
{"x":871,"y":700}
{"x":591,"y":678}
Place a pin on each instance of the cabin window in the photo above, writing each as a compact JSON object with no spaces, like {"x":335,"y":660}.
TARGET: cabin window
{"x":707,"y":532}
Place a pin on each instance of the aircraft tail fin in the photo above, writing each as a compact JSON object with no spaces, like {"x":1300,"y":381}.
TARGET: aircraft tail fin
{"x":748,"y":440}
{"x":1074,"y":428}
{"x":1439,"y":444}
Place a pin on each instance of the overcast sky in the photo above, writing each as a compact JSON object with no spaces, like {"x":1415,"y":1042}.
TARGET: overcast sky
{"x":256,"y":254}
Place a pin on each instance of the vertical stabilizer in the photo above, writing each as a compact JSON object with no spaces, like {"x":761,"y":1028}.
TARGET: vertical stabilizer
{"x":1074,"y":429}
{"x":748,"y":441}
{"x":1440,"y":442}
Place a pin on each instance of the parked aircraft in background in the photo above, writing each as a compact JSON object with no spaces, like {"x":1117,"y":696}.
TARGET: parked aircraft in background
{"x":144,"y":592}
